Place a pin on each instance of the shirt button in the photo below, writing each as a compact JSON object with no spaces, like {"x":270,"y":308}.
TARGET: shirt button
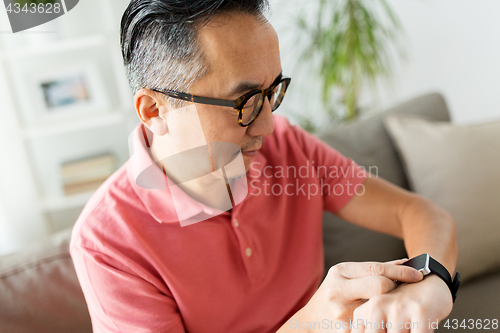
{"x":248,"y":252}
{"x":236,"y":223}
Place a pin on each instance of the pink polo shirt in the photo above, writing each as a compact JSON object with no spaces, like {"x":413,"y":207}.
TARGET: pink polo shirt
{"x":247,"y":270}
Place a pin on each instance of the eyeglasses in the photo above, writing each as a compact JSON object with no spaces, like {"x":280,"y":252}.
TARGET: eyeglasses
{"x":248,"y":105}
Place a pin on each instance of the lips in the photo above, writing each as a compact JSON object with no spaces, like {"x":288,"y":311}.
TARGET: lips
{"x":250,"y":152}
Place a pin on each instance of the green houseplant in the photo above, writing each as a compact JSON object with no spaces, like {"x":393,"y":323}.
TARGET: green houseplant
{"x":351,"y":41}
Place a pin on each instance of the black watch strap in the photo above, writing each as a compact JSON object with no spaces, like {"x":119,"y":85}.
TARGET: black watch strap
{"x":438,"y":269}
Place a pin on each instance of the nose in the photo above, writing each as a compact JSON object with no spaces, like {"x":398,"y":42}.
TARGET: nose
{"x":263,"y":125}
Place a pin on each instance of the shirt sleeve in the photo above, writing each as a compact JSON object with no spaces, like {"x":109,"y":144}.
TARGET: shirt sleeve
{"x":339,"y":176}
{"x":119,"y":300}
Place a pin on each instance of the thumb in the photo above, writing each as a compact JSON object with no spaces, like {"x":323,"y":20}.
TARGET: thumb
{"x":397,"y":261}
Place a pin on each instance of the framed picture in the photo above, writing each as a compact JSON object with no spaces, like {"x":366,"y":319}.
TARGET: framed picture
{"x":71,"y":90}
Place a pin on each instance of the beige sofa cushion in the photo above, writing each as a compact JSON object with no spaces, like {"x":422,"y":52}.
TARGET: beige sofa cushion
{"x":39,"y":290}
{"x":457,"y":167}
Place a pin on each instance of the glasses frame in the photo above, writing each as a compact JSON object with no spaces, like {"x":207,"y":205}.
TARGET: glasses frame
{"x":237,"y":104}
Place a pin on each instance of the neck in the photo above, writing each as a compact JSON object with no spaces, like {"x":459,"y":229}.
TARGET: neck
{"x":191,"y":169}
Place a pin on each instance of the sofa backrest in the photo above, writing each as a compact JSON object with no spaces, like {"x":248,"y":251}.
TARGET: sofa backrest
{"x":367,"y":142}
{"x":39,"y":290}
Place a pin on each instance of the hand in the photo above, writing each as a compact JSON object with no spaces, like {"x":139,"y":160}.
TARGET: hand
{"x":346,"y":287}
{"x":408,"y":308}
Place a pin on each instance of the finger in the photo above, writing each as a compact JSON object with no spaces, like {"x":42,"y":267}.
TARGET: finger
{"x":358,"y":324}
{"x":375,"y":324}
{"x":398,"y":325}
{"x":397,"y":261}
{"x":358,"y":319}
{"x":354,"y":270}
{"x":367,"y":287}
{"x":342,"y":326}
{"x":374,"y":320}
{"x":421,"y":324}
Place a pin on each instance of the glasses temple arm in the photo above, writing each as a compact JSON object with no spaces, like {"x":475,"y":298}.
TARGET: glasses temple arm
{"x":197,"y":99}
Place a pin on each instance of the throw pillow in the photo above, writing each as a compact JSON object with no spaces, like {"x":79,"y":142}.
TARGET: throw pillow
{"x":457,"y":167}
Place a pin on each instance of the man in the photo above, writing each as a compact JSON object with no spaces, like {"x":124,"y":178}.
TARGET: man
{"x":208,"y":72}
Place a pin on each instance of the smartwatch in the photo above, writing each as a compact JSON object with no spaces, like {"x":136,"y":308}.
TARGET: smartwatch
{"x":426,"y":264}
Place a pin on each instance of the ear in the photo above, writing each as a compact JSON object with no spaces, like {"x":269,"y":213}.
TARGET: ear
{"x":151,"y":110}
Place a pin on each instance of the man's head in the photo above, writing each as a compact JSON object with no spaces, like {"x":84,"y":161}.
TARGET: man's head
{"x":219,"y":49}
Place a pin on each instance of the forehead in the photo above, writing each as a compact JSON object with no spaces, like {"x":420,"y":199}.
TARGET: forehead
{"x":241,"y":46}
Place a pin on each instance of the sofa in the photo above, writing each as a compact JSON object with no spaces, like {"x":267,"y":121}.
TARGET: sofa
{"x":39,"y":290}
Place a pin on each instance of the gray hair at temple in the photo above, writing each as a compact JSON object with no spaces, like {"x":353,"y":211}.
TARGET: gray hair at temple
{"x":159,"y":41}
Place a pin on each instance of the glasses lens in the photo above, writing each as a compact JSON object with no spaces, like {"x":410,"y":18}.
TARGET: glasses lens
{"x":277,"y":95}
{"x":254,"y":104}
{"x":252,"y":108}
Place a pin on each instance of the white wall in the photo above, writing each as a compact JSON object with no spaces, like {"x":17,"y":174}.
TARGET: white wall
{"x":453,"y":48}
{"x":20,"y":217}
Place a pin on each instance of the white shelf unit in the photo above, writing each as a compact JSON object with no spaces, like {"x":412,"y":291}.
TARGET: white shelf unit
{"x":65,"y":202}
{"x":89,"y":34}
{"x":56,"y":47}
{"x":73,"y":125}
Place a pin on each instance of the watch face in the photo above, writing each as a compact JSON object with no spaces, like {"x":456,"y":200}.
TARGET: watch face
{"x":420,"y":263}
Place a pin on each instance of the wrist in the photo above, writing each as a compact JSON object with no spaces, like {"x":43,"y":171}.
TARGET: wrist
{"x":437,"y":288}
{"x":428,"y":265}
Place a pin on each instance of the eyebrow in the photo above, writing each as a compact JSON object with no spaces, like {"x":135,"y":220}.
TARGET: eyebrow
{"x":243,"y":87}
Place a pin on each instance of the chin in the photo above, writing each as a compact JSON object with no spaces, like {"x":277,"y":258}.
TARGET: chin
{"x":247,"y":161}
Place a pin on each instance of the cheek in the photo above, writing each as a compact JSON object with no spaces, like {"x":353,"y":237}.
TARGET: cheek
{"x":220,"y":124}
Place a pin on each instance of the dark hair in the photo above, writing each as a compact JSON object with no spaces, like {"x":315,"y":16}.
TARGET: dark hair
{"x":159,"y":41}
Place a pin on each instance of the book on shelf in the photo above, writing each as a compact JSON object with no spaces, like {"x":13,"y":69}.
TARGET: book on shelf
{"x":87,"y":174}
